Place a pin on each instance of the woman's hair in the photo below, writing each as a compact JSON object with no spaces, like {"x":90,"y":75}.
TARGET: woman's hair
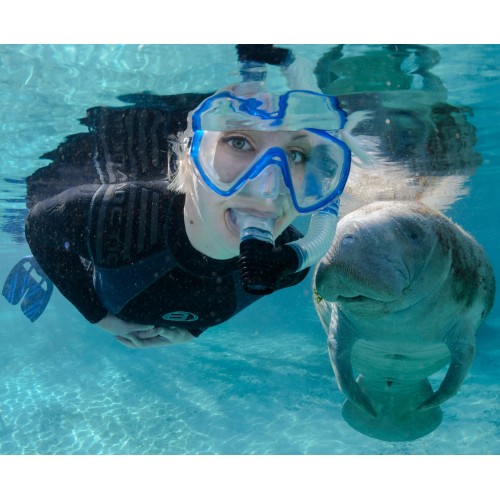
{"x":181,"y":177}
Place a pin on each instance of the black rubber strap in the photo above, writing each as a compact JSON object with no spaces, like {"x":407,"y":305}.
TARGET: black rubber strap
{"x":265,"y":53}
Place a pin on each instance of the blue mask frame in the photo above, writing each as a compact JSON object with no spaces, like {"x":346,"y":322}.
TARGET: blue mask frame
{"x":275,"y":155}
{"x":252,"y":107}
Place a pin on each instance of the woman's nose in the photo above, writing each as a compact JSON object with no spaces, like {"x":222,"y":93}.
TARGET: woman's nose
{"x":267,"y":184}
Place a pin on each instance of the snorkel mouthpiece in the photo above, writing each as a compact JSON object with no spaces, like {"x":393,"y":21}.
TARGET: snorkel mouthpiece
{"x":262,"y":264}
{"x":252,"y":227}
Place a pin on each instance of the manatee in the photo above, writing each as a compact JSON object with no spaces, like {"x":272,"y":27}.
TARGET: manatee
{"x":401,"y":294}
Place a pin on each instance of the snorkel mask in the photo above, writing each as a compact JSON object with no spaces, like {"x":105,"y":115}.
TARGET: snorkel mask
{"x":312,"y":171}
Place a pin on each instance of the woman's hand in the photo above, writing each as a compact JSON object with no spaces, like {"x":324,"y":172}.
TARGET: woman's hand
{"x":163,"y":335}
{"x":142,"y":336}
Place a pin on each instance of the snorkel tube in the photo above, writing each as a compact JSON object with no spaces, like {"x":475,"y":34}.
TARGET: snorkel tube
{"x":261,"y":264}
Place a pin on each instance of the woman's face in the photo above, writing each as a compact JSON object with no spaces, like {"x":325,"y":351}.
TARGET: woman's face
{"x":211,"y":219}
{"x":233,"y":152}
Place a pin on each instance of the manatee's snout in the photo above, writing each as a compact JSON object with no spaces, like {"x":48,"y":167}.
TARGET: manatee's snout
{"x":322,"y":284}
{"x":362,"y":262}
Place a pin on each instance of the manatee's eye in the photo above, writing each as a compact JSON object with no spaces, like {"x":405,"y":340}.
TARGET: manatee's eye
{"x":414,"y":233}
{"x":411,"y":231}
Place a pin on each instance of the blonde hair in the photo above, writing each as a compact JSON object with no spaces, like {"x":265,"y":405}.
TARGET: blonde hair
{"x":181,"y":177}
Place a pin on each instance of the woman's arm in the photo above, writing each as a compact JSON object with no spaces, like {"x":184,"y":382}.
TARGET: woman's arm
{"x":56,"y":230}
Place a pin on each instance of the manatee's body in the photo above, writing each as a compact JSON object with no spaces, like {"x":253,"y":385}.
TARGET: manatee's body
{"x":401,"y":294}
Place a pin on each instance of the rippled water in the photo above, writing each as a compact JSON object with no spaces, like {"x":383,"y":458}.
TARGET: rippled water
{"x":261,"y":383}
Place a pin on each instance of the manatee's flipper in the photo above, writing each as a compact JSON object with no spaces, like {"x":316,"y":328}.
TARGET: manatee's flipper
{"x":26,"y":279}
{"x":462,"y":345}
{"x":339,"y":348}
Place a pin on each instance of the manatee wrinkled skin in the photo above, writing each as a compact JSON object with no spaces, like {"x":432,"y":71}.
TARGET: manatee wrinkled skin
{"x":401,"y":294}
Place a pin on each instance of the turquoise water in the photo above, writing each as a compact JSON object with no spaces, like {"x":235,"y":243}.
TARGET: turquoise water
{"x":261,"y":383}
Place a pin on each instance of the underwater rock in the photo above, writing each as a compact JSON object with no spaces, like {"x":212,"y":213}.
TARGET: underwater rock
{"x":401,"y":294}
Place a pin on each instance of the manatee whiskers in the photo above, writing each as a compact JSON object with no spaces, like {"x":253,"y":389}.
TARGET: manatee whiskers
{"x":348,"y":280}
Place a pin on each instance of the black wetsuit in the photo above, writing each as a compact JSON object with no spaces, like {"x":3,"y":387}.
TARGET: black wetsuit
{"x":110,"y":235}
{"x":123,"y":248}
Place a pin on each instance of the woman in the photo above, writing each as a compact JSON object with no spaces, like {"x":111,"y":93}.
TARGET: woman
{"x":159,"y":258}
{"x":156,"y":263}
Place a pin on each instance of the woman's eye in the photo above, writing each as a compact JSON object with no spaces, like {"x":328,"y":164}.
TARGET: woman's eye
{"x":298,"y":156}
{"x":239,"y":143}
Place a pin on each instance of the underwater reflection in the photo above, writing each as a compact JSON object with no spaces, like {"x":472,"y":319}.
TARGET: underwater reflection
{"x":423,"y":146}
